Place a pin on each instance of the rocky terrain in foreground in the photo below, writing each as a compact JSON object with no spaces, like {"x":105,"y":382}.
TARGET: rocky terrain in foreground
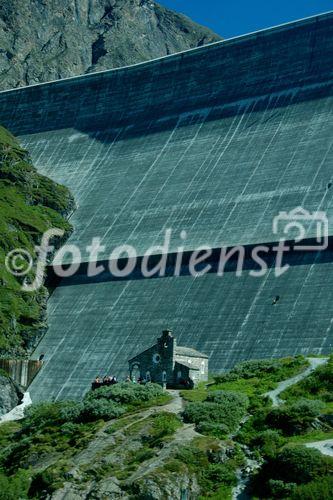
{"x":217,"y":441}
{"x":49,"y":40}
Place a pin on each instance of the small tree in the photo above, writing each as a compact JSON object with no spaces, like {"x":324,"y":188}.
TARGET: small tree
{"x":295,"y":418}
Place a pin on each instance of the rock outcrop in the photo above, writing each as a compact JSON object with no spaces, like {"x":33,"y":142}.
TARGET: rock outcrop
{"x":10,"y":395}
{"x":48,"y":40}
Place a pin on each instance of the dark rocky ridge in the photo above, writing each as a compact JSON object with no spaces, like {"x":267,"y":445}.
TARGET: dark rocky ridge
{"x":48,"y":40}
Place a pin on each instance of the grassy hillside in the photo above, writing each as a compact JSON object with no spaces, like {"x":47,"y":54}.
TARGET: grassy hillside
{"x":272,"y":436}
{"x":319,"y":385}
{"x":29,"y":205}
{"x":124,"y":440}
{"x":140,"y":442}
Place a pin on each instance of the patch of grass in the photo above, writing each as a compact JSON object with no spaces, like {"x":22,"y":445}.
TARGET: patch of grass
{"x":255,"y":378}
{"x":312,"y":436}
{"x":202,"y":458}
{"x":252,"y":378}
{"x":223,"y":492}
{"x":7,"y":432}
{"x":15,"y":486}
{"x":163,"y":426}
{"x":161,"y":400}
{"x":196,"y":395}
{"x":43,"y":433}
{"x":219,"y":415}
{"x":120,"y":423}
{"x":49,"y":479}
{"x":320,"y":489}
{"x":140,"y":456}
{"x":318,"y":385}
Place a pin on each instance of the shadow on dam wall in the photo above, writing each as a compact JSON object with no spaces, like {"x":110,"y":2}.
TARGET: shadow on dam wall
{"x":214,"y":142}
{"x":161,"y":266}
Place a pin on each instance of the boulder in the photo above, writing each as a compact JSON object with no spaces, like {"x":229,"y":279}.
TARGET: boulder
{"x":10,"y":395}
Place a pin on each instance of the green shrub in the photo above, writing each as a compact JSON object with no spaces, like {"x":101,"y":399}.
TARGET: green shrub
{"x":216,"y":474}
{"x":227,"y":398}
{"x":268,"y":442}
{"x":165,"y":424}
{"x":295,"y":418}
{"x":279,"y":489}
{"x":212,"y":475}
{"x":100,"y":409}
{"x":39,"y":415}
{"x":315,"y":490}
{"x":192,"y":457}
{"x":198,"y":412}
{"x":70,"y":428}
{"x":127,"y":393}
{"x":229,"y":408}
{"x":70,"y":411}
{"x":317,"y":385}
{"x":277,"y":369}
{"x":296,"y":464}
{"x":14,"y":487}
{"x":254,"y":425}
{"x":220,"y":431}
{"x":301,"y":465}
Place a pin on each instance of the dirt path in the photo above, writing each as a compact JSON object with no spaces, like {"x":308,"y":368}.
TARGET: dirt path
{"x":325,"y":447}
{"x":176,"y":405}
{"x":103,"y":440}
{"x":182,"y":436}
{"x":274,"y":395}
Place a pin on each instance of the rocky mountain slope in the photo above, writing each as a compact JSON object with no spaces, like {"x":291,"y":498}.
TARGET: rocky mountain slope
{"x":30,"y":204}
{"x":46,"y":40}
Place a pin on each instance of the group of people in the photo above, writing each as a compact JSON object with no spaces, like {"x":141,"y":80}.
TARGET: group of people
{"x":107,"y":381}
{"x":103,"y":381}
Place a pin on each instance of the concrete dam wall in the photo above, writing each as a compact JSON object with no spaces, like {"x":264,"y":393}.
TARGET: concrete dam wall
{"x":215,"y":142}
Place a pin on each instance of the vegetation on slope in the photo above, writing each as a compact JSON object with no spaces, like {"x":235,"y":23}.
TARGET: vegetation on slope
{"x":273,"y":436}
{"x":130,"y":439}
{"x":118,"y":440}
{"x":29,"y":205}
{"x":318,"y":385}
